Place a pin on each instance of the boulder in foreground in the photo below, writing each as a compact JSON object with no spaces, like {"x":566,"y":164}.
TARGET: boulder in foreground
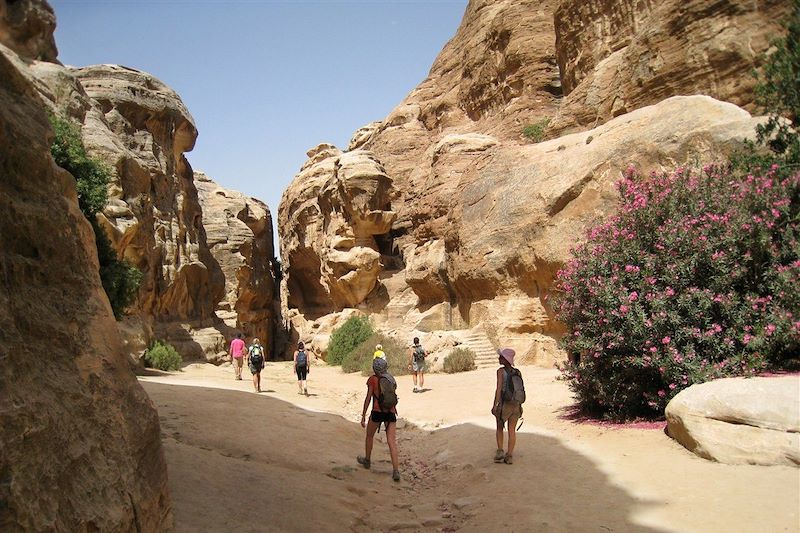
{"x":739,"y":420}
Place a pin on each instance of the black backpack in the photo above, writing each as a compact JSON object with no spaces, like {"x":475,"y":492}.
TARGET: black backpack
{"x":257,"y":356}
{"x":419,"y":353}
{"x":514,"y":387}
{"x":302,"y":358}
{"x":387,"y":394}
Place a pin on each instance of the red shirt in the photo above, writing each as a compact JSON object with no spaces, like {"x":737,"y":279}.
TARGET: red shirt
{"x":374,"y":382}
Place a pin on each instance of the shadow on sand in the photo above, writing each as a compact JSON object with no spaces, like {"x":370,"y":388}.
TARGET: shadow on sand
{"x":222,"y":444}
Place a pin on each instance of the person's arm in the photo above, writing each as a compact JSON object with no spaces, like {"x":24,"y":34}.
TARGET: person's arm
{"x":497,"y":392}
{"x":294,"y":358}
{"x":367,"y":400}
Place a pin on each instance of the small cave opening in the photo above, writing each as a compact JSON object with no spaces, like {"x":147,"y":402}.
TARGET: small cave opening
{"x":390,"y":253}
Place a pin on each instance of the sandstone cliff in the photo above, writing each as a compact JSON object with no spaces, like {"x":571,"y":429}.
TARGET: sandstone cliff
{"x":239,"y":234}
{"x":80,"y":448}
{"x":483,"y":218}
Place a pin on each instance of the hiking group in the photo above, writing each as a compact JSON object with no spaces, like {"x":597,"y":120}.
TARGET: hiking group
{"x":381,"y":399}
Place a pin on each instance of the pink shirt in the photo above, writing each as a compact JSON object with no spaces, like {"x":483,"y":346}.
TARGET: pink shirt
{"x":237,"y":348}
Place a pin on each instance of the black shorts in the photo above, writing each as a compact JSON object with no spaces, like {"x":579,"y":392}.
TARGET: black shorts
{"x":302,"y":372}
{"x":383,"y":418}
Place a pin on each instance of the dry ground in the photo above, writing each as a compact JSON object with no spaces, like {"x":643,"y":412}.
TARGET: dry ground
{"x":278,"y":461}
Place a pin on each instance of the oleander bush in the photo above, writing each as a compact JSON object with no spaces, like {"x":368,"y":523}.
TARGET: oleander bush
{"x":459,"y":360}
{"x":162,"y":356}
{"x":347,"y":337}
{"x":695,"y":278}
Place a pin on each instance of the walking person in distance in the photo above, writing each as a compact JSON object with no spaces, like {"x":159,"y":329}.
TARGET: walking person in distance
{"x":255,"y":361}
{"x":416,"y":364}
{"x":236,"y":355}
{"x":301,"y":367}
{"x":509,"y":395}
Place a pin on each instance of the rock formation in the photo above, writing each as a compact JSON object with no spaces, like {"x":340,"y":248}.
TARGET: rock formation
{"x":27,"y":28}
{"x":239,"y":234}
{"x":336,"y":215}
{"x":739,"y":420}
{"x":620,"y":56}
{"x":484,"y":219}
{"x":80,"y":448}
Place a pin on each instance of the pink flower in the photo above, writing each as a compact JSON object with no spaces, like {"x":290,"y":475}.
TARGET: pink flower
{"x":662,"y":393}
{"x":669,"y":292}
{"x":633,"y":296}
{"x":623,"y":309}
{"x":665,"y":340}
{"x":770,"y":329}
{"x":672,"y":386}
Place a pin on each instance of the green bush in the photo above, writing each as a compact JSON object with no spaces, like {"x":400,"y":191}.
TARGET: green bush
{"x":777,"y":93}
{"x":535,"y":132}
{"x":120,"y":279}
{"x":695,"y":278}
{"x":162,"y":356}
{"x":360,"y":358}
{"x":345,"y":338}
{"x":460,"y":360}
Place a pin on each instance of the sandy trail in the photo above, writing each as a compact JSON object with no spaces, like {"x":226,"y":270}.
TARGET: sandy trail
{"x":279,"y":461}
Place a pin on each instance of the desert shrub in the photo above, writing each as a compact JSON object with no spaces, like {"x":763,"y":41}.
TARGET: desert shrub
{"x":777,"y":93}
{"x":535,"y":132}
{"x":120,"y":279}
{"x":694,"y":279}
{"x":162,"y":356}
{"x":345,"y":338}
{"x":460,"y":360}
{"x":360,"y":358}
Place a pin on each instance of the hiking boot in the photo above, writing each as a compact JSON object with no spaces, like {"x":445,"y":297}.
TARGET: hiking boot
{"x":508,"y":459}
{"x":499,"y":455}
{"x":363,"y":461}
{"x":396,"y":475}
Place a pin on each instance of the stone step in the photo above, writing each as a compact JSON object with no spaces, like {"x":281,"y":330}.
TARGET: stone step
{"x":481,"y":346}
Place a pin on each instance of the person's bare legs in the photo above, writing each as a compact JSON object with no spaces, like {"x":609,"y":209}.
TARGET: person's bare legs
{"x":421,"y":379}
{"x":372,"y":427}
{"x":391,"y":433}
{"x":414,"y":376}
{"x":300,"y":386}
{"x":512,"y":435}
{"x":499,"y":433}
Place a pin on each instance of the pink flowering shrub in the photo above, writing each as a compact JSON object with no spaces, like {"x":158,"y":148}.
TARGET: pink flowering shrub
{"x":695,"y":278}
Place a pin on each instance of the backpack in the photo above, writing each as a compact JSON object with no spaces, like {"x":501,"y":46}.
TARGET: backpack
{"x":302,"y":358}
{"x":514,"y":387}
{"x":387,"y":394}
{"x":256,"y":356}
{"x":419,"y":353}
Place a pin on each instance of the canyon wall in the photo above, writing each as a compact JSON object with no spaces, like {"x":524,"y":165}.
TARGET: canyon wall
{"x":80,"y":447}
{"x":483,"y":216}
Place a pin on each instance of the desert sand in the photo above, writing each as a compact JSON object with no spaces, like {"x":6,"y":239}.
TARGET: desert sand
{"x":280,"y":461}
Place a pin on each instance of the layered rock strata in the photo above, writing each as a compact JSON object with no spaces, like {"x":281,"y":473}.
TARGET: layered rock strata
{"x":80,"y":448}
{"x":239,"y":234}
{"x":615,"y":57}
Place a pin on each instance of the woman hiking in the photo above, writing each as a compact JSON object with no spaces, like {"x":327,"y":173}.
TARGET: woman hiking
{"x":381,"y":390}
{"x":504,"y":411}
{"x":301,"y":367}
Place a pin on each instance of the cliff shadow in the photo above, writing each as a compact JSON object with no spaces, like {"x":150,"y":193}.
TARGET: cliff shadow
{"x":297,"y":470}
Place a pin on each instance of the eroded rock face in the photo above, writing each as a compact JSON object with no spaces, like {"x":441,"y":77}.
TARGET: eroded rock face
{"x":80,"y":448}
{"x":484,"y":217}
{"x":239,"y":234}
{"x":141,"y":129}
{"x":329,"y":217}
{"x":739,"y":420}
{"x":619,"y":56}
{"x":27,"y":27}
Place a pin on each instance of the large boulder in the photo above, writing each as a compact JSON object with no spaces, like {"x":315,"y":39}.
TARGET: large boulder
{"x":80,"y":446}
{"x":27,"y":28}
{"x":739,"y":420}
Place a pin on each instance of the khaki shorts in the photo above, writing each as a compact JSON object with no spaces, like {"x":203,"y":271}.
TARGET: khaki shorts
{"x":238,"y":361}
{"x":510,"y":410}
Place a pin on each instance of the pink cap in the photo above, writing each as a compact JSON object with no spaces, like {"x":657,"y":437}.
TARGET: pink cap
{"x":507,"y":354}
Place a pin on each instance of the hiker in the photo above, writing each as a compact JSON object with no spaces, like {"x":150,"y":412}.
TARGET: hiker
{"x":506,"y":408}
{"x":378,"y":352}
{"x":256,"y":360}
{"x":301,"y":367}
{"x":416,"y":363}
{"x":236,"y":355}
{"x":381,"y":390}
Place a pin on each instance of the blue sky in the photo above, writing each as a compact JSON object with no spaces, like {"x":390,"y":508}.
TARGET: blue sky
{"x":265,"y":80}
